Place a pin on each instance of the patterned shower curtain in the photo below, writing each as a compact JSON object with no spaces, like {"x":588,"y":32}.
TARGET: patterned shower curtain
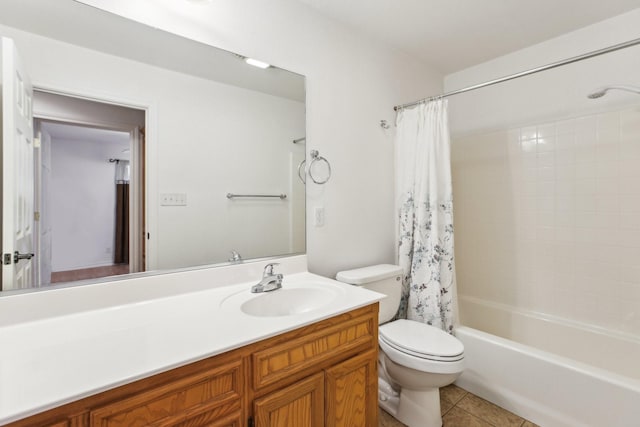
{"x":425,"y":207}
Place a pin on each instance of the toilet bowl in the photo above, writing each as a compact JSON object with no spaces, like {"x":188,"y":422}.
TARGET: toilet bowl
{"x":418,"y":359}
{"x":415,"y":359}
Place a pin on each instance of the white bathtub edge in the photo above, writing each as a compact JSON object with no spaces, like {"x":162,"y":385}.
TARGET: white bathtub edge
{"x":544,"y":388}
{"x":564,"y":362}
{"x":513,"y":402}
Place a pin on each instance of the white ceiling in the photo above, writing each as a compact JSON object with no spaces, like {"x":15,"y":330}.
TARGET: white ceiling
{"x":118,"y":141}
{"x":77,"y":23}
{"x":454,"y":34}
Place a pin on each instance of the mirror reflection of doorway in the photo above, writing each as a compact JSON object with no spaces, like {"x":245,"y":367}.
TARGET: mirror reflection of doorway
{"x":88,"y":185}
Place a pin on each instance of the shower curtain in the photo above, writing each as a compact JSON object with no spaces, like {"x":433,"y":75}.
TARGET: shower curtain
{"x":425,"y":208}
{"x":121,"y":251}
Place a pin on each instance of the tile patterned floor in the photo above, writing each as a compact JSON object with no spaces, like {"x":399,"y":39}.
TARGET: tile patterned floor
{"x":463,"y":409}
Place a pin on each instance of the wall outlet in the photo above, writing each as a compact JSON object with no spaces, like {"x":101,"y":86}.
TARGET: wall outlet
{"x":173,"y":199}
{"x":318,"y":216}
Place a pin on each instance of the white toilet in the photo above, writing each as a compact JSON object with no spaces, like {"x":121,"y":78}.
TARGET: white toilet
{"x":415,"y":359}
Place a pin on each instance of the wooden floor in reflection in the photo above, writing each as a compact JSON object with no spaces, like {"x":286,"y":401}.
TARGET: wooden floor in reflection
{"x":89,"y":273}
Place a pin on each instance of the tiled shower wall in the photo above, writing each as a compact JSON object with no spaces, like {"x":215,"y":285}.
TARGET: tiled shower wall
{"x":547,"y":218}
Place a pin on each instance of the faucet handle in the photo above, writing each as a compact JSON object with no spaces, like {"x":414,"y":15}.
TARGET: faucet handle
{"x":235,"y":256}
{"x":268,"y":269}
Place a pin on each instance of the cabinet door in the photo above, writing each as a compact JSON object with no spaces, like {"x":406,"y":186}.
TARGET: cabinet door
{"x":351,"y":396}
{"x":299,"y":405}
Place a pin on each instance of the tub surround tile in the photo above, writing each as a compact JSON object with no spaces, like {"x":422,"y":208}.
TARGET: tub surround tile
{"x":571,"y":182}
{"x":489,"y":412}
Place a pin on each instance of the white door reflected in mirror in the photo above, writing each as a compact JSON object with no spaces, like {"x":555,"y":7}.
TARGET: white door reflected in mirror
{"x":17,"y":180}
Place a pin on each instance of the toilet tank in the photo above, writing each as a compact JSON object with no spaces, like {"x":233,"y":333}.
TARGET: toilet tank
{"x":383,"y":278}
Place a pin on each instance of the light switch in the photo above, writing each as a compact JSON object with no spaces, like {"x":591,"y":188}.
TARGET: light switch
{"x":173,"y":199}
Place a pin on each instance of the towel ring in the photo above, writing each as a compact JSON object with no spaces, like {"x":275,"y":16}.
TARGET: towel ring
{"x":316,"y":157}
{"x":302,"y":172}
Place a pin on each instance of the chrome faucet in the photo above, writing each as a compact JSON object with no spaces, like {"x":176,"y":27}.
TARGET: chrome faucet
{"x":235,"y":257}
{"x":270,"y":281}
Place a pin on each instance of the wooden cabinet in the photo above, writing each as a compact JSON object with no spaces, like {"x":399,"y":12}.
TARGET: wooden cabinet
{"x":333,"y":366}
{"x":344,"y":395}
{"x":289,"y":357}
{"x":324,"y":374}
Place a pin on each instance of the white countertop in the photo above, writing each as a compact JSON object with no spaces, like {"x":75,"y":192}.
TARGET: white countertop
{"x":55,"y":360}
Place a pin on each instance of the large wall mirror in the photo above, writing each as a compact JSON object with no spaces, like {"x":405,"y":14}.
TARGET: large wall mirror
{"x":127,"y":149}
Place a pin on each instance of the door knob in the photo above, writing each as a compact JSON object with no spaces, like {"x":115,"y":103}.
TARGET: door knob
{"x":17,"y":256}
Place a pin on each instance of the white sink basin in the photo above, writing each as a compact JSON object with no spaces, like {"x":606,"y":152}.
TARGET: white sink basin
{"x":287,"y":301}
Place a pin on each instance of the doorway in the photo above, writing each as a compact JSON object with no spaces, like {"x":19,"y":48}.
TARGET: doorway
{"x":89,"y":189}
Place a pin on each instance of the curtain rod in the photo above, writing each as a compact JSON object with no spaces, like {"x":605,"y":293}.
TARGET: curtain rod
{"x":527,"y":72}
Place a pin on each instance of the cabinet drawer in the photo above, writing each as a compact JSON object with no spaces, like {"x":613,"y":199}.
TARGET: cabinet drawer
{"x":198,"y":399}
{"x":315,"y":350}
{"x":72,"y":422}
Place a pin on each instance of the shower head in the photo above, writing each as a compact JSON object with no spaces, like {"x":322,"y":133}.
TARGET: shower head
{"x":600,"y":92}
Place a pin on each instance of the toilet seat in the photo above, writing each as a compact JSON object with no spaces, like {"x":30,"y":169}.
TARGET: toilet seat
{"x":422,"y":340}
{"x":421,"y":347}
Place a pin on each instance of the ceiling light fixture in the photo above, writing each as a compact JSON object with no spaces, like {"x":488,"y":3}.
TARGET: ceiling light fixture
{"x":257,"y":63}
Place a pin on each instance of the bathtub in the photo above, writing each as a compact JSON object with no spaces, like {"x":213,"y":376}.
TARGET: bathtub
{"x":548,"y":370}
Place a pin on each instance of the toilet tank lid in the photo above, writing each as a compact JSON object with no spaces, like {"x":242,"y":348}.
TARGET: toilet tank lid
{"x":360,"y":276}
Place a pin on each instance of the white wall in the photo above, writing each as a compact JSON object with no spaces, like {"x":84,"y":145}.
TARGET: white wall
{"x":226,"y":155}
{"x":547,"y":184}
{"x":83,"y":216}
{"x":352,"y":83}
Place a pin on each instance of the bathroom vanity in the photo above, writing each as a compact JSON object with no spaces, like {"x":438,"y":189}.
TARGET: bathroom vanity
{"x":321,"y":374}
{"x":198,"y":359}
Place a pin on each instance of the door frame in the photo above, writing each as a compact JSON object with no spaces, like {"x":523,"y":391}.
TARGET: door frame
{"x":146,"y":222}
